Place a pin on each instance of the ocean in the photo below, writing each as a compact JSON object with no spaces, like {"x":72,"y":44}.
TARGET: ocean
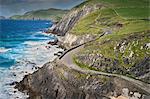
{"x":23,"y":48}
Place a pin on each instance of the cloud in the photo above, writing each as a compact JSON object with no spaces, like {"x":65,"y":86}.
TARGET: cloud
{"x":10,"y":2}
{"x":11,"y":7}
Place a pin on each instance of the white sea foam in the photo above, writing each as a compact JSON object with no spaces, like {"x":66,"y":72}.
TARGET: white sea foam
{"x":36,"y":54}
{"x":32,"y":43}
{"x":3,"y":50}
{"x":47,"y":23}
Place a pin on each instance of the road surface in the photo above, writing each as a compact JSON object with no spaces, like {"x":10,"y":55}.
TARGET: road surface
{"x":67,"y":60}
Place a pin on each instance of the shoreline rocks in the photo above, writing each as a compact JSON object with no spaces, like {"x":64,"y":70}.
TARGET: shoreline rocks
{"x":54,"y":42}
{"x":55,"y":81}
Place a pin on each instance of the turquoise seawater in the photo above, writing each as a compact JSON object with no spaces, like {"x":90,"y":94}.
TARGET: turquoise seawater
{"x":23,"y":48}
{"x":14,"y":33}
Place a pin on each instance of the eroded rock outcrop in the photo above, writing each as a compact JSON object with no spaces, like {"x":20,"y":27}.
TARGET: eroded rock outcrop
{"x":71,"y":40}
{"x":63,"y":28}
{"x":56,"y":81}
{"x":126,"y":64}
{"x":71,"y":18}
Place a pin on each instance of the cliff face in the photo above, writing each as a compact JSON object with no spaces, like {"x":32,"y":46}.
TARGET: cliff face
{"x":73,"y":17}
{"x":67,"y":23}
{"x":127,"y":64}
{"x":71,"y":40}
{"x":55,"y":81}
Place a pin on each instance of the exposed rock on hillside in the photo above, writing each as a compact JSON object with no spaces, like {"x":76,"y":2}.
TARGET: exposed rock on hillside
{"x":71,"y":18}
{"x":55,"y":81}
{"x":70,"y":40}
{"x":126,"y":64}
{"x":67,"y":23}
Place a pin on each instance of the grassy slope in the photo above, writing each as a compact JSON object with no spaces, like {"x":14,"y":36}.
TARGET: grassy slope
{"x":52,"y":14}
{"x":132,"y":14}
{"x":121,"y":9}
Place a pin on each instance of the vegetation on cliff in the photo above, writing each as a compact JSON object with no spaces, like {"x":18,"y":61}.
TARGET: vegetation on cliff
{"x":49,"y":14}
{"x":121,"y":11}
{"x":125,"y":48}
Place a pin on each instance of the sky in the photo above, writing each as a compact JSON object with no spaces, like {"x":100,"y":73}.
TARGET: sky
{"x":13,"y":7}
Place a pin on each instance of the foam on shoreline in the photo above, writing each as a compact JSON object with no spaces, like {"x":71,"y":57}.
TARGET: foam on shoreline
{"x":3,"y":50}
{"x":35,"y":55}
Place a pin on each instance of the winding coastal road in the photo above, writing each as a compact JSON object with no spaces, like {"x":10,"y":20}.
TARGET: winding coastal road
{"x":67,"y":60}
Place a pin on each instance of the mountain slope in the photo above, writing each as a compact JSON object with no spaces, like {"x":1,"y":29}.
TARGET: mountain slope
{"x":49,"y":14}
{"x":125,"y":47}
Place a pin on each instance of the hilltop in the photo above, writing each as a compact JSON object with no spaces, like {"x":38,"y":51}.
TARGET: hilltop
{"x":49,"y":14}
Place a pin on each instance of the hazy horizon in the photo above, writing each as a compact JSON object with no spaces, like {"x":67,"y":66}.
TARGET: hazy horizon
{"x":18,"y":7}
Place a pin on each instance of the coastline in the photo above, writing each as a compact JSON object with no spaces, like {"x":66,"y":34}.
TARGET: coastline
{"x":35,"y":55}
{"x":57,"y":81}
{"x":17,"y":72}
{"x":56,"y":78}
{"x":64,"y":79}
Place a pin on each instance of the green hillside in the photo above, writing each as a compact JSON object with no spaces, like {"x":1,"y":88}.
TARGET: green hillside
{"x":50,"y":14}
{"x":113,"y":11}
{"x":127,"y":44}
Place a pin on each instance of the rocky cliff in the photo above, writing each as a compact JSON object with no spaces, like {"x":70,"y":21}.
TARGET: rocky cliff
{"x":71,"y":18}
{"x":56,"y":81}
{"x":66,"y":24}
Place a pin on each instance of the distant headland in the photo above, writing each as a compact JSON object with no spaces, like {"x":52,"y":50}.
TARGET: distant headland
{"x":46,"y":14}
